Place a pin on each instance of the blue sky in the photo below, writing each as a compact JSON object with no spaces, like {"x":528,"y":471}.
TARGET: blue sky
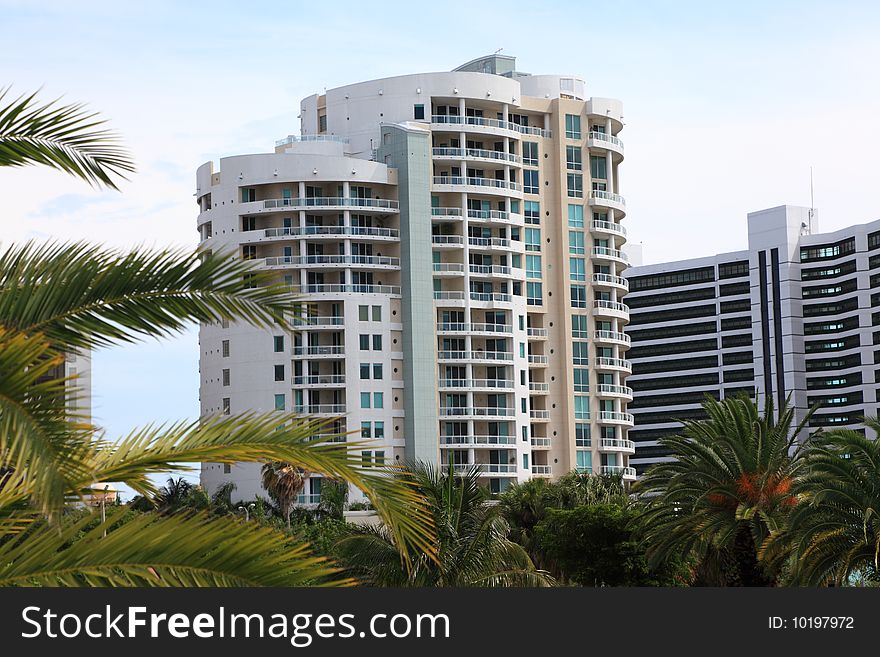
{"x":727,"y":105}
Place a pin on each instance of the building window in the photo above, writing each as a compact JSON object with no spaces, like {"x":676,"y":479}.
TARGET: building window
{"x":584,"y":462}
{"x":576,"y":242}
{"x":379,"y":430}
{"x":525,"y":460}
{"x":581,"y":407}
{"x":366,"y":459}
{"x":225,"y":377}
{"x":577,"y":267}
{"x":533,"y":239}
{"x":279,"y":372}
{"x":534,"y":294}
{"x":532,"y":212}
{"x":226,"y":406}
{"x":322,"y":123}
{"x":573,"y":158}
{"x":224,"y":348}
{"x":575,"y":185}
{"x":575,"y":216}
{"x":278,"y":341}
{"x":364,"y":313}
{"x":531,"y":185}
{"x":377,"y":370}
{"x":598,"y":167}
{"x":418,"y":112}
{"x":378,"y":400}
{"x":248,"y":194}
{"x":579,"y":326}
{"x":572,"y":126}
{"x":580,"y":353}
{"x":377,"y":313}
{"x":279,"y":402}
{"x":379,"y":458}
{"x":533,"y":266}
{"x":365,"y":370}
{"x":530,"y":153}
{"x":578,"y":296}
{"x":582,"y":435}
{"x":366,"y":430}
{"x":364,"y":341}
{"x":581,"y":380}
{"x":365,"y":400}
{"x":377,"y":343}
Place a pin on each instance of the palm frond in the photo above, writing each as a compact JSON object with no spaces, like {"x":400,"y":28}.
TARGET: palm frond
{"x":82,"y":296}
{"x":63,"y":137}
{"x":151,"y":551}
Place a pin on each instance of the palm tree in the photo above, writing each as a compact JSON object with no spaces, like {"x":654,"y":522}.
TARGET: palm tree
{"x":834,"y":533}
{"x":470,"y":539}
{"x":728,"y":489}
{"x":174,"y":494}
{"x":57,"y":298}
{"x":283,"y":481}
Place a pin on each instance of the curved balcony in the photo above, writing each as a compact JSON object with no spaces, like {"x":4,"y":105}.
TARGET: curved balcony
{"x":605,"y":253}
{"x":541,"y":470}
{"x":317,"y":351}
{"x":333,"y":262}
{"x":320,"y":381}
{"x":475,"y":185}
{"x":609,"y":280}
{"x":614,"y":417}
{"x":475,"y":384}
{"x":606,"y":141}
{"x":490,"y":270}
{"x":447,"y":214}
{"x":616,"y":364}
{"x":607,"y":390}
{"x":612,"y":337}
{"x":446,"y":122}
{"x":334,"y":232}
{"x":477,"y":411}
{"x":317,"y":203}
{"x":479,"y":356}
{"x":607,"y":228}
{"x":628,"y":474}
{"x":476,"y":155}
{"x":474,"y":329}
{"x":294,"y":139}
{"x":320,"y":409}
{"x":602,"y":199}
{"x":335,"y":289}
{"x":476,"y":441}
{"x":448,"y":268}
{"x":602,"y":308}
{"x":617,"y":445}
{"x":447,"y":241}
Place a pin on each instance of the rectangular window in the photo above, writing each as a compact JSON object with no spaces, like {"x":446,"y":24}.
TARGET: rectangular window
{"x":584,"y":461}
{"x":366,"y":459}
{"x":366,"y":430}
{"x":522,"y":349}
{"x":572,"y":126}
{"x":227,"y":468}
{"x":379,"y":458}
{"x":363,"y":313}
{"x":224,"y":348}
{"x":581,"y":407}
{"x":225,"y":377}
{"x":248,"y":194}
{"x":279,"y":402}
{"x":580,"y":353}
{"x":365,"y":400}
{"x":365,"y":370}
{"x":279,"y":372}
{"x":573,"y":158}
{"x":578,"y":296}
{"x":377,"y":343}
{"x":579,"y":326}
{"x":575,"y":216}
{"x":575,"y":185}
{"x":582,"y":435}
{"x":525,"y":459}
{"x":378,"y":400}
{"x":364,"y":342}
{"x":581,"y":380}
{"x":598,"y":167}
{"x":418,"y":112}
{"x":377,"y":313}
{"x":226,"y":406}
{"x":530,"y":153}
{"x":278,"y":342}
{"x":532,"y":212}
{"x":576,"y":242}
{"x":379,"y":429}
{"x":530,"y":181}
{"x":533,"y":266}
{"x":534,"y":294}
{"x":578,"y":271}
{"x":377,"y":370}
{"x":533,"y":239}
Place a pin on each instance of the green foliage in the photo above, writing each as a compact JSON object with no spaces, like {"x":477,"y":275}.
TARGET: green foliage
{"x":596,"y":545}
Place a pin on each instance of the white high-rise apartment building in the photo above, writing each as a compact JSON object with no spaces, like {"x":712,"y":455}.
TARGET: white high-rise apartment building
{"x":457,"y":237}
{"x":794,"y":317}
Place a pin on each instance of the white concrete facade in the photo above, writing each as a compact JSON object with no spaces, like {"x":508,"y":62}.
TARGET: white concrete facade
{"x":511,"y":216}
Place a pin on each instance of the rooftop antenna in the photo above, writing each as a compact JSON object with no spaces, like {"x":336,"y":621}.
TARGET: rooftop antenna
{"x":498,"y":51}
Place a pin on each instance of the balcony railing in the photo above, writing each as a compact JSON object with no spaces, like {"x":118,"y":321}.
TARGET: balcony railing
{"x":616,"y":363}
{"x":309,"y":322}
{"x":477,"y":440}
{"x":536,"y":332}
{"x":538,"y":359}
{"x":475,"y":355}
{"x":479,"y":411}
{"x":490,"y":270}
{"x":447,"y":119}
{"x":608,"y":227}
{"x":605,"y":252}
{"x":330,"y":202}
{"x":292,"y":139}
{"x":611,"y":336}
{"x":319,"y":350}
{"x":618,"y":391}
{"x":489,"y":241}
{"x":477,"y":182}
{"x":540,"y":442}
{"x":345,"y":289}
{"x":320,"y":409}
{"x":450,"y":295}
{"x":607,"y":196}
{"x":332,"y":231}
{"x":446,"y":212}
{"x":474,"y":328}
{"x":447,"y":239}
{"x":454,"y":267}
{"x":488,"y":215}
{"x":503,"y":384}
{"x":319,"y":379}
{"x":309,"y":498}
{"x":609,"y":279}
{"x":491,"y":296}
{"x":603,"y":136}
{"x":601,"y":304}
{"x":617,"y":444}
{"x":614,"y":416}
{"x":345,"y":260}
{"x":481,"y":153}
{"x":541,"y":469}
{"x":627,"y":473}
{"x":539,"y":414}
{"x":536,"y":386}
